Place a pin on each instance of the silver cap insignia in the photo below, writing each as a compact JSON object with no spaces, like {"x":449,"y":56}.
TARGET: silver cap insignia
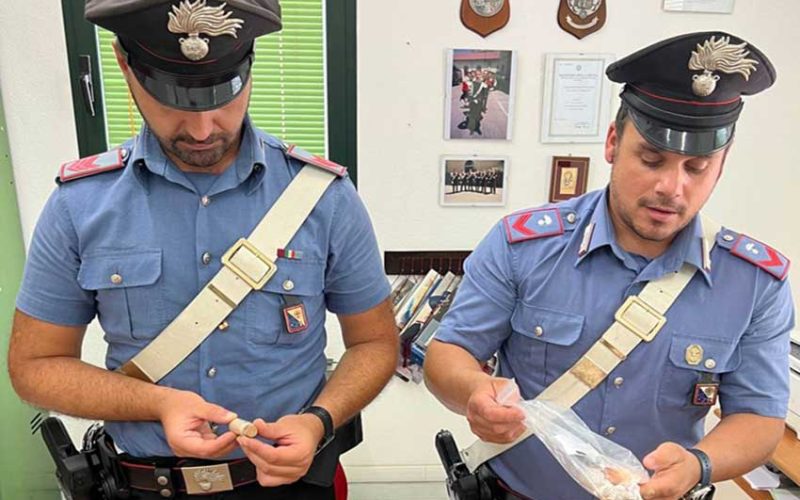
{"x":193,"y":18}
{"x":719,"y":55}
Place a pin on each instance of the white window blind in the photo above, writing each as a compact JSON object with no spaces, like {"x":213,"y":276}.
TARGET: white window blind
{"x":288,"y":98}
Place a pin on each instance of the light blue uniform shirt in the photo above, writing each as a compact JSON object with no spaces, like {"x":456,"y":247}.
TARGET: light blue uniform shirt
{"x":738,"y":313}
{"x":148,"y":224}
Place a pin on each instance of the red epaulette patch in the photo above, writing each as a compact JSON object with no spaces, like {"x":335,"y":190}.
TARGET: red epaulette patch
{"x":311,"y":159}
{"x":532,"y":224}
{"x":103,"y":162}
{"x":761,"y":255}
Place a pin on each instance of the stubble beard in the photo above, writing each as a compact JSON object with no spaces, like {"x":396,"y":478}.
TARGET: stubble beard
{"x":659,"y":232}
{"x":198,"y":159}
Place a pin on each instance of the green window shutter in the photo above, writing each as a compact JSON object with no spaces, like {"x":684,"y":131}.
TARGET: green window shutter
{"x":288,"y":97}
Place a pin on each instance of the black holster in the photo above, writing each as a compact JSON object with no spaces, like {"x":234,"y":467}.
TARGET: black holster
{"x":93,"y":473}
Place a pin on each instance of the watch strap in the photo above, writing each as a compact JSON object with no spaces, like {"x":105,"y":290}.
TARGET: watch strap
{"x":327,"y":423}
{"x":705,"y":466}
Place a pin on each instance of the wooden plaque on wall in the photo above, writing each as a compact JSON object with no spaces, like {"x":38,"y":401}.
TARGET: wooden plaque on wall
{"x":581,"y":17}
{"x":485,"y":17}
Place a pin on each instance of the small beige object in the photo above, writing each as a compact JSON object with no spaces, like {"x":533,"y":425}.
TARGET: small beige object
{"x":288,"y":285}
{"x":571,"y":218}
{"x":694,"y":354}
{"x":728,"y":237}
{"x":243,"y":428}
{"x":710,"y":363}
{"x":619,"y":381}
{"x":223,"y":326}
{"x":116,"y":279}
{"x":539,"y":331}
{"x":205,"y":200}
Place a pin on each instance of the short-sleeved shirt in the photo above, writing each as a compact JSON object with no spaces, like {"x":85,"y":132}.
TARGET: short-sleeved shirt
{"x":542,"y":303}
{"x":149,"y":224}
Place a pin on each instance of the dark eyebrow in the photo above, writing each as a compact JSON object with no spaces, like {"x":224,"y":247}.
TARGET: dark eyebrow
{"x":646,"y":146}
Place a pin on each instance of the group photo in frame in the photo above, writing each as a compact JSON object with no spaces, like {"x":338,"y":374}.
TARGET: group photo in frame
{"x":473,"y":180}
{"x":479,"y":94}
{"x":569,"y":177}
{"x":576,"y":98}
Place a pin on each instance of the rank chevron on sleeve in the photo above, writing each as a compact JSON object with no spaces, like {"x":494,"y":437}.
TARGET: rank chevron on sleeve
{"x":533,"y":224}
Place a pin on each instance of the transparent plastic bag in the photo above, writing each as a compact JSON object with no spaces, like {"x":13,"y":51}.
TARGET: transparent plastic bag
{"x":604,"y":468}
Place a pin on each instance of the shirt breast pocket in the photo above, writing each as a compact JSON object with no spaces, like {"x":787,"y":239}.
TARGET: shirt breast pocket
{"x":128,"y":291}
{"x":264,"y":309}
{"x":540,"y":344}
{"x":690,"y":356}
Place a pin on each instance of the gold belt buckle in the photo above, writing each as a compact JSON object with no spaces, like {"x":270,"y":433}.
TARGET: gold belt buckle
{"x":649,"y":321}
{"x":255,"y":284}
{"x":207,"y":479}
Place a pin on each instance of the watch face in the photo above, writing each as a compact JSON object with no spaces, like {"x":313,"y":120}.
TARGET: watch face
{"x":486,"y":8}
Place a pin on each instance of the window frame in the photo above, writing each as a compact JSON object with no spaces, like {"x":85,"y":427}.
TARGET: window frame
{"x":340,"y":78}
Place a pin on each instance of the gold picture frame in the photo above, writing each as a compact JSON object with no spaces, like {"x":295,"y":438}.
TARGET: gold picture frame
{"x":568,"y":178}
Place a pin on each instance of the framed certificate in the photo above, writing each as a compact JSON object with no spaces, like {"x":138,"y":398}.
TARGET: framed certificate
{"x":569,"y":177}
{"x":711,"y":6}
{"x":577,"y":97}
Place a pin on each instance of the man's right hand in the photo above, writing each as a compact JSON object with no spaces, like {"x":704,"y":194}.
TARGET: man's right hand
{"x":186,"y":418}
{"x":493,"y":421}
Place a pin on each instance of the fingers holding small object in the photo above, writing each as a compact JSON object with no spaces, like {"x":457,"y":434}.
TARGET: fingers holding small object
{"x":243,"y":427}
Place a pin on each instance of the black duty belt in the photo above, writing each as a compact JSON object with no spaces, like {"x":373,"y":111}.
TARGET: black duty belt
{"x":499,"y":489}
{"x":188,"y":476}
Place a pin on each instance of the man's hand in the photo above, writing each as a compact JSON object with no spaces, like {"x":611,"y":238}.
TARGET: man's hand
{"x":493,"y":421}
{"x":186,"y":417}
{"x":676,"y":471}
{"x":296,"y":438}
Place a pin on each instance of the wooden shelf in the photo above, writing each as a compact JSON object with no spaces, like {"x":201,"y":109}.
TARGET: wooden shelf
{"x":786,"y":458}
{"x":755,"y":494}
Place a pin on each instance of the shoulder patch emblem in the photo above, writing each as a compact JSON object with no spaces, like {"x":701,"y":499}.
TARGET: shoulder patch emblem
{"x":532,"y":224}
{"x":103,"y":162}
{"x":311,"y":159}
{"x":761,"y":255}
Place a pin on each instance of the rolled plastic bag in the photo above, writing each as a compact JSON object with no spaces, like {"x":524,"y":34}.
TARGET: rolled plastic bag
{"x":604,"y":468}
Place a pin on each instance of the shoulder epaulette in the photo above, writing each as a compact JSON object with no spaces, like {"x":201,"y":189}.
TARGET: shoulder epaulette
{"x":532,"y":224}
{"x":311,"y":159}
{"x":91,"y":165}
{"x":755,"y":252}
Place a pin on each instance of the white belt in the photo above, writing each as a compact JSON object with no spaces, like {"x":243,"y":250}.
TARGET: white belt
{"x":638,"y":320}
{"x":246,"y":266}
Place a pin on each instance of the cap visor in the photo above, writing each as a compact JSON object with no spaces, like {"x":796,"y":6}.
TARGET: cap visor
{"x":193,"y":94}
{"x":685,"y":142}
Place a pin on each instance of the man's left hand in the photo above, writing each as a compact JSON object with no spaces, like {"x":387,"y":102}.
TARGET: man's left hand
{"x":675,"y":472}
{"x":296,"y":438}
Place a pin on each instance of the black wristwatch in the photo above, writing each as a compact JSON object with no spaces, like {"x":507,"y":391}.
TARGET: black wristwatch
{"x":703,"y":490}
{"x":327,"y":424}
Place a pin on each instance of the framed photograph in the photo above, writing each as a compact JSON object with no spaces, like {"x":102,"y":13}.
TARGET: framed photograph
{"x":709,"y":6}
{"x":577,"y":98}
{"x":479,"y":94}
{"x":569,"y":177}
{"x":473,"y":181}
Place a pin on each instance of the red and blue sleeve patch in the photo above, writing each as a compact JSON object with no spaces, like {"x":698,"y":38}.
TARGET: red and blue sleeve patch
{"x":761,"y":255}
{"x":532,"y":224}
{"x":103,"y":162}
{"x":311,"y":159}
